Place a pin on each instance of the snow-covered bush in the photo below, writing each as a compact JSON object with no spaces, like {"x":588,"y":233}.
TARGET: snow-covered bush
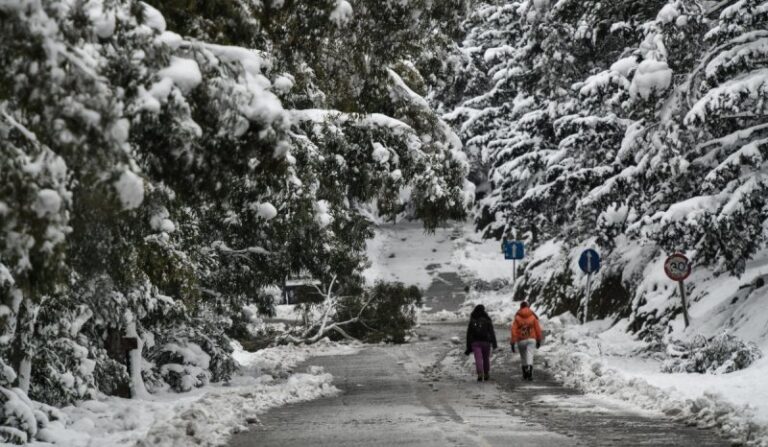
{"x":63,"y":373}
{"x":21,"y":419}
{"x":191,"y":356}
{"x":720,"y":354}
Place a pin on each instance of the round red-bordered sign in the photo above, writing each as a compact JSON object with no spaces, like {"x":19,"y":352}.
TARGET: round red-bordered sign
{"x":677,"y":267}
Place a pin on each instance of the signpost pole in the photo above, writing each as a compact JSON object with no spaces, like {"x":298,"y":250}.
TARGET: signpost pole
{"x":686,"y":317}
{"x":514,"y":262}
{"x":514,"y":271}
{"x":586,"y":300}
{"x":589,"y":284}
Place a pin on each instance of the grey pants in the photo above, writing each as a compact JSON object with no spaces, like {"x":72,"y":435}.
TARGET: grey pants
{"x":527,"y":348}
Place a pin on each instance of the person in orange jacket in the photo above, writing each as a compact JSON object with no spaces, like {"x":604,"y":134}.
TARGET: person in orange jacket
{"x":526,"y":336}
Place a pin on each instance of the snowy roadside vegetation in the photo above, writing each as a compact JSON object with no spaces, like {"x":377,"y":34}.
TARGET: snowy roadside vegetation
{"x":161,"y":165}
{"x":606,"y":361}
{"x":710,"y":375}
{"x":205,"y":416}
{"x":636,"y":128}
{"x":166,"y":165}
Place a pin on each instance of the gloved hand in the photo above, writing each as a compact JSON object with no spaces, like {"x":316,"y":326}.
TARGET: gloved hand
{"x":512,"y":345}
{"x":467,"y":352}
{"x":538,"y":344}
{"x":495,"y":347}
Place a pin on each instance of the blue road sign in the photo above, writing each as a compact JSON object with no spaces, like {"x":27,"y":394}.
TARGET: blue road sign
{"x":514,"y":250}
{"x":589,"y":262}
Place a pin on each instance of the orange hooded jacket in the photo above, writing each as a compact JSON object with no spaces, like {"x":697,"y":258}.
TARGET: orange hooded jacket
{"x":525,"y":326}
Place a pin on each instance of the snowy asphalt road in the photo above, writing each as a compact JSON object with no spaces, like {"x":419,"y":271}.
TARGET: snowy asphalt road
{"x":423,"y":394}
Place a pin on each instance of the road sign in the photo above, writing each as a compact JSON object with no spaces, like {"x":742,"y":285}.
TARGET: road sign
{"x":514,"y":250}
{"x":677,"y":267}
{"x":589,"y":262}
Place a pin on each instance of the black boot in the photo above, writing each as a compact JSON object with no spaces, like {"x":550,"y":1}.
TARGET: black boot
{"x":486,"y":377}
{"x":525,"y":372}
{"x":479,"y":377}
{"x":530,"y":372}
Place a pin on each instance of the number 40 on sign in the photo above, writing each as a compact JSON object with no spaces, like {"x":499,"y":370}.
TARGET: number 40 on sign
{"x":678,"y":268}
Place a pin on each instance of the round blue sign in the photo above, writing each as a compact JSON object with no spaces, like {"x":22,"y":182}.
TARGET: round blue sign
{"x":589,"y":262}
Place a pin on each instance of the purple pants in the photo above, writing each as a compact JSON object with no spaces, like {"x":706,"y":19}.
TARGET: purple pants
{"x":482,"y":351}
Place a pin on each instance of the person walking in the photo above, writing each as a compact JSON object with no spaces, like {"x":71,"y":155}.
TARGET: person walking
{"x":480,"y":339}
{"x":526,"y":336}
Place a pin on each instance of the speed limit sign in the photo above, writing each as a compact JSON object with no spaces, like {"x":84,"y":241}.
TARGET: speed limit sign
{"x":677,"y":267}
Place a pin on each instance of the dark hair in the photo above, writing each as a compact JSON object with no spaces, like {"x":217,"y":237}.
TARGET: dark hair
{"x":479,"y":311}
{"x":524,"y":304}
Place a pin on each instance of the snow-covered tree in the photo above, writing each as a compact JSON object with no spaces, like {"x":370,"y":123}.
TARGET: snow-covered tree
{"x":160,"y":167}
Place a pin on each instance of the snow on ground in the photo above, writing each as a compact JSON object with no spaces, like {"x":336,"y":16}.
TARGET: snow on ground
{"x":605,"y":361}
{"x":205,"y":416}
{"x":404,"y":252}
{"x":480,"y":258}
{"x":602,"y":359}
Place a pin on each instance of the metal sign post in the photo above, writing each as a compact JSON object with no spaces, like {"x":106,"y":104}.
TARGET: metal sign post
{"x":686,"y":317}
{"x":589,"y":262}
{"x":678,"y":268}
{"x":514,"y":263}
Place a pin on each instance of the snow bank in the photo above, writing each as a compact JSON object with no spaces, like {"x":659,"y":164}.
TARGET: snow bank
{"x":604,"y":360}
{"x":205,"y":416}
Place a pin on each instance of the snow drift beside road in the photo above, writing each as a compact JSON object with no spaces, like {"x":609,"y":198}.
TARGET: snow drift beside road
{"x":602,"y":357}
{"x":204,"y":416}
{"x":602,"y":360}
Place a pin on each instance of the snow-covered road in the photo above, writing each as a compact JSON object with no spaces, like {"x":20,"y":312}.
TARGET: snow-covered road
{"x":423,"y":394}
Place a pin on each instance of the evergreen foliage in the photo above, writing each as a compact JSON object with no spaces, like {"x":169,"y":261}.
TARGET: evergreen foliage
{"x":160,"y":167}
{"x":635,"y":127}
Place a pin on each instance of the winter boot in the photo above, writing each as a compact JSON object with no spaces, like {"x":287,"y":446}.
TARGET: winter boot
{"x":479,"y":377}
{"x":486,"y":377}
{"x":525,"y":372}
{"x":530,"y":372}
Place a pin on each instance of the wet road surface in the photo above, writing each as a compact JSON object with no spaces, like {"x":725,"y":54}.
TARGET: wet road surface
{"x":424,"y":394}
